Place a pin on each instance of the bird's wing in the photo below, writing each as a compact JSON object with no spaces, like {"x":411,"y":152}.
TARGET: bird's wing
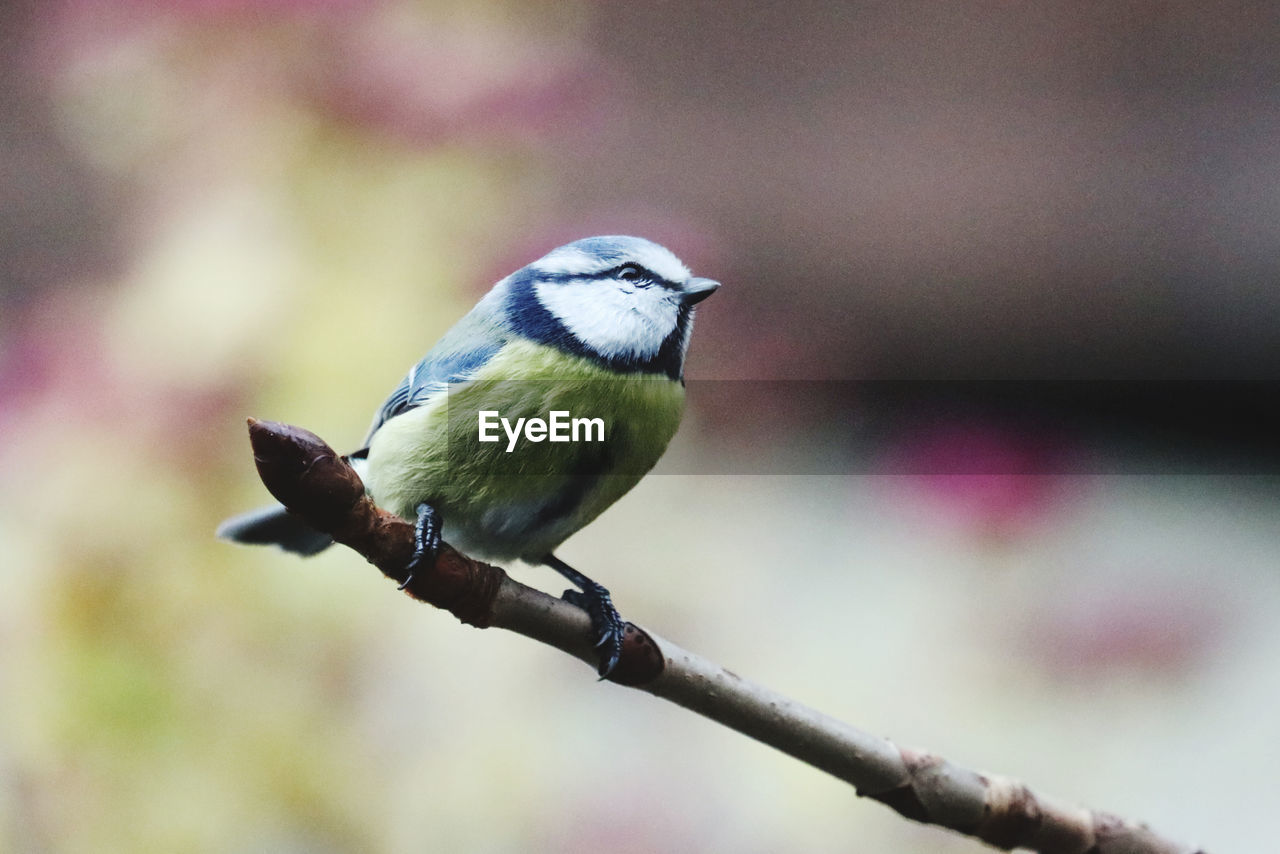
{"x":464,"y":349}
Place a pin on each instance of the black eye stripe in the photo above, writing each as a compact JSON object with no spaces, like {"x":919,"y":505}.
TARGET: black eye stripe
{"x":645,"y":275}
{"x":630,"y":272}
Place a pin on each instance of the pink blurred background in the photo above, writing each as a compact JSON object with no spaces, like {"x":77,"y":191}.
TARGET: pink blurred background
{"x":224,"y":208}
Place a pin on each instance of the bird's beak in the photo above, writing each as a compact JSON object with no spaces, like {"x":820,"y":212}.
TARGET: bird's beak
{"x":697,"y":289}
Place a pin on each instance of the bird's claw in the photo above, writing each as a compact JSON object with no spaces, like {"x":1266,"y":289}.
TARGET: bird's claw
{"x":426,"y":541}
{"x":606,"y":624}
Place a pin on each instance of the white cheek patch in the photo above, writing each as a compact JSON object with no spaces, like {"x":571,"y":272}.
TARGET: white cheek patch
{"x":611,"y":318}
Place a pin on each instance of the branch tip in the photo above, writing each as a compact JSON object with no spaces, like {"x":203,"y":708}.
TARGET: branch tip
{"x":312,"y":480}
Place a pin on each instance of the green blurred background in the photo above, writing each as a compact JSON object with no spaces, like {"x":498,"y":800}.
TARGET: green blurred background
{"x":221,"y":208}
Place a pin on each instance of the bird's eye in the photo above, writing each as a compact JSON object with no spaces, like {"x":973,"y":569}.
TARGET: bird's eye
{"x":630,"y":273}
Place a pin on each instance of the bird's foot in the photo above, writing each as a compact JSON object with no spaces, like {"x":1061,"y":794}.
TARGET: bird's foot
{"x":426,"y":540}
{"x":606,"y":623}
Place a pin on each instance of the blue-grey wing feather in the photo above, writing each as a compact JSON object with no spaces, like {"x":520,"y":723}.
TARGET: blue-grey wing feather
{"x":462,"y":351}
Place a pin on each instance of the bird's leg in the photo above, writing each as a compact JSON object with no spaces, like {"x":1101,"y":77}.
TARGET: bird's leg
{"x":606,"y":625}
{"x":426,"y":539}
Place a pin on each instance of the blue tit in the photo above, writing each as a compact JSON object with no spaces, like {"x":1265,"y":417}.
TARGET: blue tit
{"x":595,"y":331}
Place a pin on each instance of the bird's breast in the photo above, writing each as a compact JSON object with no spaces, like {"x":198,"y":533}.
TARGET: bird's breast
{"x":534,"y":446}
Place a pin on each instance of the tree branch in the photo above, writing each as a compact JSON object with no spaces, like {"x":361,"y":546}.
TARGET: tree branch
{"x":312,"y":480}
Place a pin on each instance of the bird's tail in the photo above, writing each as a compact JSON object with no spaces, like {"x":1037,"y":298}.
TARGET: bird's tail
{"x":274,"y":526}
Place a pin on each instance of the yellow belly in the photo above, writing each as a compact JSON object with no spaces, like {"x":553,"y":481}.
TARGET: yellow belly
{"x":501,"y":501}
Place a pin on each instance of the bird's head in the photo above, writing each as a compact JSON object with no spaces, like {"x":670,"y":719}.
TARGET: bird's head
{"x":623,"y":301}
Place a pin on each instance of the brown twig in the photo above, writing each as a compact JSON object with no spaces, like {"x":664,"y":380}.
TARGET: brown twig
{"x":312,"y":480}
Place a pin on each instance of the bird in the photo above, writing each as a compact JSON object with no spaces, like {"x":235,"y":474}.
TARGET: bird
{"x":594,"y":331}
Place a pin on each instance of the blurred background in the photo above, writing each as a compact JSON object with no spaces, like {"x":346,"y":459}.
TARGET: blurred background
{"x":221,"y":208}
